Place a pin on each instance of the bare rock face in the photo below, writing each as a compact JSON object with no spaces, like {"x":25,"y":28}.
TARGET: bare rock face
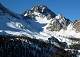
{"x":76,"y":25}
{"x":57,"y":23}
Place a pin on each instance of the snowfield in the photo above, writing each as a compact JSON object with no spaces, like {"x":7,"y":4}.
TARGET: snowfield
{"x":34,"y":28}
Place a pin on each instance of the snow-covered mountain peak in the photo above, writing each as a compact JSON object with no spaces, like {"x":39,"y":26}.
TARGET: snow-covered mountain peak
{"x":62,"y":19}
{"x":58,"y":22}
{"x":40,"y":10}
{"x":39,"y":24}
{"x":43,"y":9}
{"x":59,"y":16}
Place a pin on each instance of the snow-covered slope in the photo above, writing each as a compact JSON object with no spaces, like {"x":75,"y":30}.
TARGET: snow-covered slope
{"x":39,"y":22}
{"x":10,"y":25}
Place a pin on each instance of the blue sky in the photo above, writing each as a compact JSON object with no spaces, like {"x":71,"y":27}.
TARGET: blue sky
{"x":68,"y":8}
